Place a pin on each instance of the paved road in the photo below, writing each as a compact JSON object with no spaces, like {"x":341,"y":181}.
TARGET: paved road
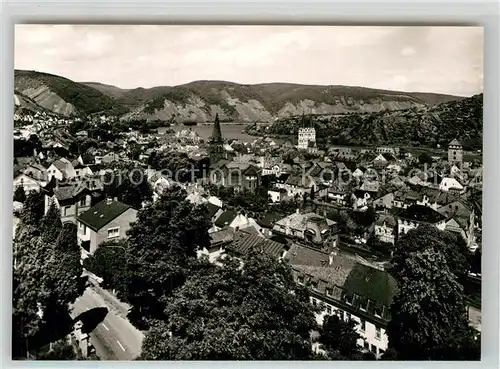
{"x":114,"y":338}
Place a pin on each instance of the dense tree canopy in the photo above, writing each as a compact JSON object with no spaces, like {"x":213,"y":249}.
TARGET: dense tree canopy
{"x":236,"y":310}
{"x":19,"y":194}
{"x":429,"y":316}
{"x":129,"y":184}
{"x":339,"y":339}
{"x":46,"y":276}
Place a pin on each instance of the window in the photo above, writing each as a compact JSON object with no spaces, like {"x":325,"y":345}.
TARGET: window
{"x":328,"y":309}
{"x":113,"y":232}
{"x":381,"y":352}
{"x":66,"y":210}
{"x":373,"y":349}
{"x":377,"y":332}
{"x":328,"y":291}
{"x":348,"y":316}
{"x":362,"y":325}
{"x":313,"y":301}
{"x":366,"y":345}
{"x":82,"y":202}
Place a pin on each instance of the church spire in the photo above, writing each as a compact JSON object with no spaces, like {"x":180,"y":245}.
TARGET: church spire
{"x":216,"y":133}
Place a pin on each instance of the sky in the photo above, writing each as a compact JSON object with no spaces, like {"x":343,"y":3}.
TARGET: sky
{"x":412,"y":59}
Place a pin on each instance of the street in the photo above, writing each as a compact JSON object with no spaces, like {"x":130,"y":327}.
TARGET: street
{"x":114,"y":338}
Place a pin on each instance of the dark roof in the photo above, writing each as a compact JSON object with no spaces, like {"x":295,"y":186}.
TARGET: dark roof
{"x":102,"y":213}
{"x":388,"y":220}
{"x":345,"y":278}
{"x":225,"y":218}
{"x":268,"y":220}
{"x":244,"y":241}
{"x":421,"y":213}
{"x":212,"y":209}
{"x":60,"y":165}
{"x":223,"y":236}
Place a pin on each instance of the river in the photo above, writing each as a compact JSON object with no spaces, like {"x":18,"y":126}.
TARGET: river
{"x":229,"y":130}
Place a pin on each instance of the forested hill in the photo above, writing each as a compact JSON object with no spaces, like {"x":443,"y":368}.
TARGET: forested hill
{"x":427,"y":125}
{"x":200,"y":101}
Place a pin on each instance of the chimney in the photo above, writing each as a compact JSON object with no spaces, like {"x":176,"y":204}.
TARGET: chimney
{"x":297,"y":211}
{"x":109,"y":200}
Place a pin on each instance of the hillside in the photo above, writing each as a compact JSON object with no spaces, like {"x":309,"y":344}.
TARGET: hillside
{"x":425,"y":125}
{"x":63,"y":96}
{"x":24,"y":105}
{"x":201,"y":100}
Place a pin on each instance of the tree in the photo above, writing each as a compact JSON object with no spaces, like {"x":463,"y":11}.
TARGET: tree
{"x":51,"y":223}
{"x":19,"y":194}
{"x":475,"y":262}
{"x":312,"y":195}
{"x":130,"y":185}
{"x":33,"y":209}
{"x":428,"y":314}
{"x":64,"y":271}
{"x":110,"y":262}
{"x":451,"y":245}
{"x":424,"y":158}
{"x":339,"y":338}
{"x":163,"y":243}
{"x":61,"y":350}
{"x":238,"y":310}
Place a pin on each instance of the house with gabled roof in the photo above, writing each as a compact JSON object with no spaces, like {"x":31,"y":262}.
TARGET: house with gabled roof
{"x":386,"y":228}
{"x":415,"y":215}
{"x":108,"y":220}
{"x":347,"y":287}
{"x":72,"y":198}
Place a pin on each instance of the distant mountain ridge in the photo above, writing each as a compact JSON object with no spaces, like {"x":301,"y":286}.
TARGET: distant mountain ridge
{"x":199,"y":101}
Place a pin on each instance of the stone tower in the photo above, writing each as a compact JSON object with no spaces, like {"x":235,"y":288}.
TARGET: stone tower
{"x":455,"y":152}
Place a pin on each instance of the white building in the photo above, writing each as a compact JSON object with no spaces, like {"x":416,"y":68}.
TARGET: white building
{"x":415,"y":215}
{"x":344,"y":286}
{"x":306,"y":135}
{"x":448,"y":184}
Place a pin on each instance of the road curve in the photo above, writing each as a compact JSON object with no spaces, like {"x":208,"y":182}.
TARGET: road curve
{"x":114,"y":338}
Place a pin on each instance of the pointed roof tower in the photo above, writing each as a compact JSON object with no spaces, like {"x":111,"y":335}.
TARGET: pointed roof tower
{"x":216,"y":133}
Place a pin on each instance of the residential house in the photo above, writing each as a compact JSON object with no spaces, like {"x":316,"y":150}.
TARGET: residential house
{"x":61,"y":169}
{"x":28,"y":183}
{"x":214,"y":211}
{"x":277,"y":194}
{"x":71,"y":199}
{"x":416,"y":215}
{"x":218,"y":242}
{"x":338,"y":195}
{"x":231,"y":219}
{"x":387,"y":150}
{"x":298,"y":186}
{"x":243,"y":241}
{"x":380,"y":161}
{"x":451,"y":184}
{"x":386,"y":228}
{"x":267,"y":223}
{"x":309,"y":227}
{"x":108,"y":220}
{"x":349,"y":288}
{"x":236,"y":174}
{"x":36,"y":171}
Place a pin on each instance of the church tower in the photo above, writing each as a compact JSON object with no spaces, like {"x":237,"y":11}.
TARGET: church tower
{"x":216,"y":141}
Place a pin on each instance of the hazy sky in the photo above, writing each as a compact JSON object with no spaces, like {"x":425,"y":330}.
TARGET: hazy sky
{"x":428,"y":59}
